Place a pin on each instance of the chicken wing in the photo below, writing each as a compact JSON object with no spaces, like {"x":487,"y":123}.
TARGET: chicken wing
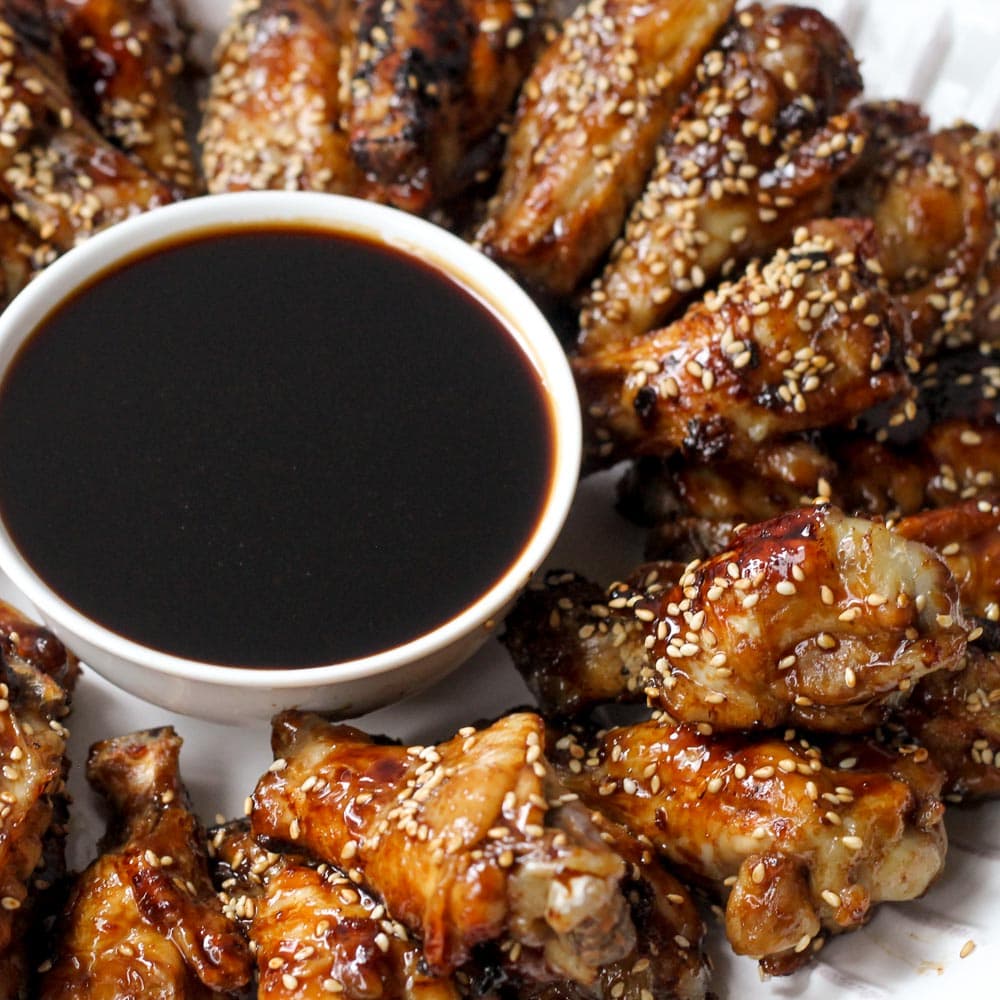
{"x":37,"y":675}
{"x":812,"y":619}
{"x":430,"y":82}
{"x":584,"y":138}
{"x":804,"y":849}
{"x":756,"y":156}
{"x":272,"y":117}
{"x":124,"y":60}
{"x":466,"y":842}
{"x":935,"y":202}
{"x":143,"y":919}
{"x":805,"y":341}
{"x":60,"y":177}
{"x":312,"y":931}
{"x":955,"y":715}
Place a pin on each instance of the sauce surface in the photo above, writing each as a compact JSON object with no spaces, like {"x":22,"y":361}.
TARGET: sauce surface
{"x":272,"y":448}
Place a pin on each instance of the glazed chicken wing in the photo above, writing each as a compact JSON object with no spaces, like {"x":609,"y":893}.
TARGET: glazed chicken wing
{"x":430,"y":82}
{"x":37,"y":675}
{"x":124,"y":59}
{"x":756,"y":156}
{"x":272,"y":118}
{"x":588,"y":121}
{"x":804,"y":341}
{"x":313,"y":932}
{"x":60,"y":177}
{"x":465,"y":842}
{"x":143,"y":919}
{"x":804,"y":849}
{"x":812,"y":619}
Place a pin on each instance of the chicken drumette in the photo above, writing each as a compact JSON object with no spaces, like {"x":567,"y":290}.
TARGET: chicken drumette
{"x":801,"y":849}
{"x":144,"y":919}
{"x":313,"y":932}
{"x":124,"y":60}
{"x":37,"y":675}
{"x":756,"y":155}
{"x":588,"y":121}
{"x":466,"y":842}
{"x":804,"y":341}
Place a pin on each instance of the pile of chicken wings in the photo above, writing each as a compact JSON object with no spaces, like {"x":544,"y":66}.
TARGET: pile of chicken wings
{"x":782,"y":306}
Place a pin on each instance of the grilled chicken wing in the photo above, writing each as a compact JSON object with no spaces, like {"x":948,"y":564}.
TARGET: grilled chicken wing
{"x":60,"y":177}
{"x":124,"y":60}
{"x":588,"y":121}
{"x":804,"y":849}
{"x":955,"y":715}
{"x":37,"y":675}
{"x":430,"y":82}
{"x":143,"y":919}
{"x":812,"y":619}
{"x":935,"y":202}
{"x":804,"y":341}
{"x":22,"y":254}
{"x":466,"y":842}
{"x":312,"y":931}
{"x":272,"y":118}
{"x":756,"y":156}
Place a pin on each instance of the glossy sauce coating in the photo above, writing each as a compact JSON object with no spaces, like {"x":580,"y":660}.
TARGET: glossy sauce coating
{"x":287,"y":448}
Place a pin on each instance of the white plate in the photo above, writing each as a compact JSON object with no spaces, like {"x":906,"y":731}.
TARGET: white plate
{"x":944,"y":54}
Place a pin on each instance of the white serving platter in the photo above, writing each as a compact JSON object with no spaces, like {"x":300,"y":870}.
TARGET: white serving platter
{"x":946,"y":55}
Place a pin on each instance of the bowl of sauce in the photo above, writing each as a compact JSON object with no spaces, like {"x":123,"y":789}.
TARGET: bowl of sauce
{"x":271,"y":449}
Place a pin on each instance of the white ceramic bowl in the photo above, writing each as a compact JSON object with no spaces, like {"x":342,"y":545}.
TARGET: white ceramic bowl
{"x":231,"y":694}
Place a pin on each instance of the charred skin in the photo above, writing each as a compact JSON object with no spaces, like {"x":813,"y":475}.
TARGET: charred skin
{"x":807,"y":340}
{"x":462,"y":840}
{"x":756,"y":153}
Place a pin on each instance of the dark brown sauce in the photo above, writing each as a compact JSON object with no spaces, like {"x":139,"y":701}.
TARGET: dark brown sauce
{"x":272,"y":447}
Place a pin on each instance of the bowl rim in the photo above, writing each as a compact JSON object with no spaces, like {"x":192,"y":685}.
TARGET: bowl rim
{"x":431,"y":244}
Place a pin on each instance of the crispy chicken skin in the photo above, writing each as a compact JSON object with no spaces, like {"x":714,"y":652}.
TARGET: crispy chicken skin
{"x":143,"y":919}
{"x":124,"y":59}
{"x":804,"y":341}
{"x":272,"y":117}
{"x":813,"y":618}
{"x":430,"y":82}
{"x":804,"y":849}
{"x":466,"y":842}
{"x":584,"y":138}
{"x":955,"y":715}
{"x":37,"y":675}
{"x":934,"y":198}
{"x":312,"y":931}
{"x":59,"y":176}
{"x":755,"y":155}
